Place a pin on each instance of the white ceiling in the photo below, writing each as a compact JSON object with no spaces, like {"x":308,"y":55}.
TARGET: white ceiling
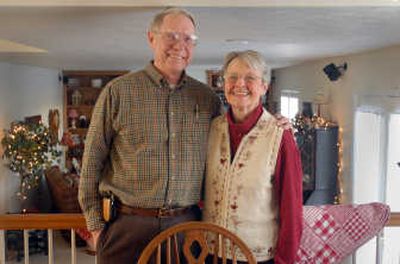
{"x":114,"y":37}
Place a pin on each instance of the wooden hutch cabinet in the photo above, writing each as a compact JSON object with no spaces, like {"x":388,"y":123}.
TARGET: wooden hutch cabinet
{"x":81,"y":90}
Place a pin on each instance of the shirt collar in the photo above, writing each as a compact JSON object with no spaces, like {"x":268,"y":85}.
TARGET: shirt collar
{"x":160,"y":80}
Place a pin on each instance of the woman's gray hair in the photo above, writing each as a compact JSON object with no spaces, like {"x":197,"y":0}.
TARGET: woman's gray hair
{"x":158,"y":19}
{"x":253,"y":59}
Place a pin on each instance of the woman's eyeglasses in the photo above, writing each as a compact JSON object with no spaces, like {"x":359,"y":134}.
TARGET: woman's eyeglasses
{"x":233,"y":78}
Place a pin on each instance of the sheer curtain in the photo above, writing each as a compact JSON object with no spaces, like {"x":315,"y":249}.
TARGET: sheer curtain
{"x":376,"y":152}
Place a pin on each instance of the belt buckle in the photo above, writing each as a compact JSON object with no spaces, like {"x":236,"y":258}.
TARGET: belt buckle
{"x":163,"y":212}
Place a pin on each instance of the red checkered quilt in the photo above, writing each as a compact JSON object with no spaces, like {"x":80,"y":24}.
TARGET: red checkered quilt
{"x":333,"y":232}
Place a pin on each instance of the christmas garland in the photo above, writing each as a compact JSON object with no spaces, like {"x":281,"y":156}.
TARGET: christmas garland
{"x":29,"y":149}
{"x":303,"y":125}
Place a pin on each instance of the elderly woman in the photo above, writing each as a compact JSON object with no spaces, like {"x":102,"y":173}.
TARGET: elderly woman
{"x":254,"y":178}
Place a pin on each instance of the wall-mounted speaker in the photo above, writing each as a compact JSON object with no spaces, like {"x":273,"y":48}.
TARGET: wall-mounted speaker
{"x":334,"y":72}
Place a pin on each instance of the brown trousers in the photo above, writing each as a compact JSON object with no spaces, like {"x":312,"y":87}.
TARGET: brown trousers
{"x":123,"y":240}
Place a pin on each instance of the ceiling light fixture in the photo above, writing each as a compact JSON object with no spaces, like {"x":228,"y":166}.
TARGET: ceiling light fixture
{"x":238,"y":41}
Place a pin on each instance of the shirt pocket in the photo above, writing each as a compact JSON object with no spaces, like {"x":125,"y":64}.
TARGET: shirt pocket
{"x":143,"y":129}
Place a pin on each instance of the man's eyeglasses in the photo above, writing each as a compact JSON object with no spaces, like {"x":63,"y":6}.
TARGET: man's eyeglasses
{"x":233,"y":78}
{"x":173,"y":37}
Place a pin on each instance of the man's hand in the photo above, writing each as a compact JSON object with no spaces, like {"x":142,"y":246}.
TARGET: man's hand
{"x":283,"y":122}
{"x":95,"y":237}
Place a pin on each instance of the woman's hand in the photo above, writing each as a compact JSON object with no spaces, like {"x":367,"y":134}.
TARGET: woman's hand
{"x":283,"y":121}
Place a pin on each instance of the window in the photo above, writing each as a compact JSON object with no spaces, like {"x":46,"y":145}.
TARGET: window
{"x":393,"y":164}
{"x":376,"y":175}
{"x":391,"y":250}
{"x":367,"y":170}
{"x":289,"y":106}
{"x":367,"y":157}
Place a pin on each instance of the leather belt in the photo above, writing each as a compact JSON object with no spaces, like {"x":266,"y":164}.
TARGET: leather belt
{"x":153,"y":212}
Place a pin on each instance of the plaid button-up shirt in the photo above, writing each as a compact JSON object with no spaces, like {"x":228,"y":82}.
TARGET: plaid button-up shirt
{"x":146,"y":143}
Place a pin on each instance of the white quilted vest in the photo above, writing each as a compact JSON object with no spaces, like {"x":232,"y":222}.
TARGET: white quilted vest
{"x":240,"y":195}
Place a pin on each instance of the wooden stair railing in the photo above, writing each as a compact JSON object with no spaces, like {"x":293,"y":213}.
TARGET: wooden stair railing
{"x":394,"y":220}
{"x":52,"y":222}
{"x":41,"y":221}
{"x":47,"y":222}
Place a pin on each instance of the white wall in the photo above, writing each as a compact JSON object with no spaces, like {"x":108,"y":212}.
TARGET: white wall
{"x":199,"y":71}
{"x":4,"y":112}
{"x":375,"y":72}
{"x":36,"y":91}
{"x":24,"y":91}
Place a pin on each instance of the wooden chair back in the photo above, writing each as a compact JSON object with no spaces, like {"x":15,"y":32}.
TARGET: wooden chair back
{"x":207,"y":237}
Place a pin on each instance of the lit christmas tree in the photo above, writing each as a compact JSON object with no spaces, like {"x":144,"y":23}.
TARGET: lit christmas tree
{"x":30,"y":151}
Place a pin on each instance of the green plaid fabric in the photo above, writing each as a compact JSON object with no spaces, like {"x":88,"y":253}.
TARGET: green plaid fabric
{"x":146,"y":143}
